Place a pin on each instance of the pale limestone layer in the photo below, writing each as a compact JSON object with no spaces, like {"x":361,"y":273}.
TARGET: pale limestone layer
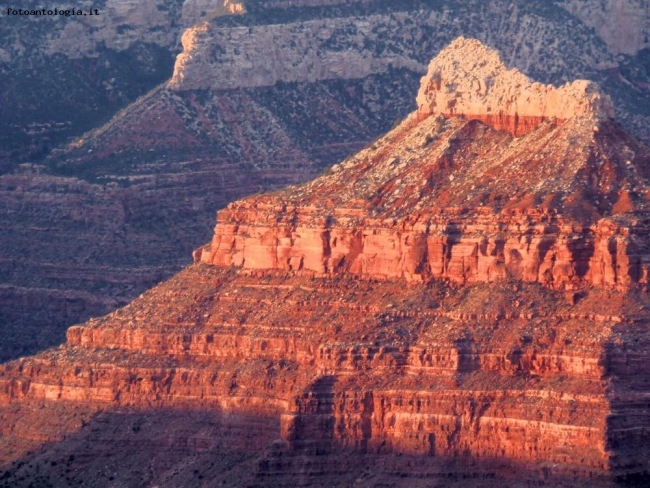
{"x":469,"y":78}
{"x":624,"y":25}
{"x":122,"y":23}
{"x":355,"y":47}
{"x":254,"y":56}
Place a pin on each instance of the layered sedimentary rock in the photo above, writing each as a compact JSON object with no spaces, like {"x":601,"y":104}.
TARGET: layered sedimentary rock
{"x":461,"y":199}
{"x":242,"y":51}
{"x":483,"y":89}
{"x":119,"y":24}
{"x":451,"y":303}
{"x":315,"y":56}
{"x":180,"y":151}
{"x":375,"y":370}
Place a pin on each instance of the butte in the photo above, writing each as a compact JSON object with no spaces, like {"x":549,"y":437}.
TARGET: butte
{"x":463,"y":303}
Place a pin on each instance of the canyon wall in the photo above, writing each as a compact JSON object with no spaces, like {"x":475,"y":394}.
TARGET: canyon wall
{"x":244,"y":53}
{"x":457,"y":304}
{"x":326,"y":41}
{"x":175,"y":155}
{"x":344,"y":375}
{"x":103,"y":62}
{"x":623,"y":25}
{"x":549,"y":252}
{"x":245,"y":57}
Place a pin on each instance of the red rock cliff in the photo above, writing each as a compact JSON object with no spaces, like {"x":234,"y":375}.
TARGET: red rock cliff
{"x":451,"y":302}
{"x":451,"y":194}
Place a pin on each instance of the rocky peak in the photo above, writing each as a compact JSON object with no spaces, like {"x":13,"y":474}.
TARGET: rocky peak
{"x":469,"y":79}
{"x":446,"y":197}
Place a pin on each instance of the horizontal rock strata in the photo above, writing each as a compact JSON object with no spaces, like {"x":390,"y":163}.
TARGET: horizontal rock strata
{"x":472,"y":221}
{"x":454,"y":301}
{"x":423,"y":376}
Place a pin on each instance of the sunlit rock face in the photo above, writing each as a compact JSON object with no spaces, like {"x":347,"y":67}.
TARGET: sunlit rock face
{"x":456,"y":301}
{"x":494,"y":178}
{"x":469,"y":79}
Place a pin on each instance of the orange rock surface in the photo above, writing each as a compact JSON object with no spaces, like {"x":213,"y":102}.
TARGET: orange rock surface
{"x":455,"y":199}
{"x":453,"y":306}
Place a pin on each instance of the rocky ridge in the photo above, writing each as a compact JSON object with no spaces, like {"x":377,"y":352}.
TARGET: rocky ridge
{"x":178,"y":152}
{"x":483,"y":88}
{"x":516,"y":352}
{"x":435,"y":198}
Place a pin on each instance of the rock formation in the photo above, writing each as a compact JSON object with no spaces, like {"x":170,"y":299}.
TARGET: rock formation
{"x":482,"y":88}
{"x":541,"y":197}
{"x":267,"y":99}
{"x":453,"y":303}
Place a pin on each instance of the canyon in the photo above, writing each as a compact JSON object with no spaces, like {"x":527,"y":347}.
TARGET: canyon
{"x":116,"y":138}
{"x":461,"y":303}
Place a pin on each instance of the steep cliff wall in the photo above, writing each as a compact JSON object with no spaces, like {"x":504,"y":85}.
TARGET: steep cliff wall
{"x":105,"y":61}
{"x":86,"y":237}
{"x":418,"y":313}
{"x":243,"y":52}
{"x":373,"y":369}
{"x":436,"y":198}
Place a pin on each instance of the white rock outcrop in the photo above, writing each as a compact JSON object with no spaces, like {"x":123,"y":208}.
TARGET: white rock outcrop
{"x":246,"y":57}
{"x":469,"y":78}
